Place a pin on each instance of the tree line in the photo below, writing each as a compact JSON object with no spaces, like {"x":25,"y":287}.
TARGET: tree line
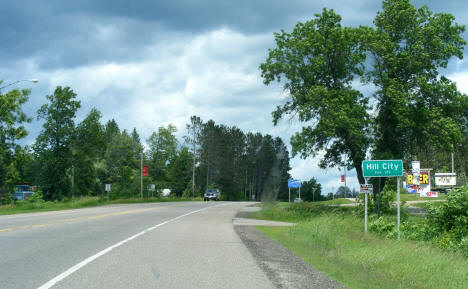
{"x":69,"y":160}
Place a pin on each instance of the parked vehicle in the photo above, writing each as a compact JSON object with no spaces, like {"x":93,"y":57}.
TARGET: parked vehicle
{"x":212,"y":194}
{"x":23,"y":192}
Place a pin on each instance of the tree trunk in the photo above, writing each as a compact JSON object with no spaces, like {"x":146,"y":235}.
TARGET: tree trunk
{"x":359,"y":172}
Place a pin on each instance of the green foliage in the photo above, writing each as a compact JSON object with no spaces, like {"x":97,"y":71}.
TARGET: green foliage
{"x":416,"y":106}
{"x":6,"y":199}
{"x":179,"y":171}
{"x":334,"y":243}
{"x":387,"y":202}
{"x":317,"y":62}
{"x":53,"y":145}
{"x":188,"y":191}
{"x":162,"y":149}
{"x":213,"y":186}
{"x":88,"y":147}
{"x":446,"y":224}
{"x":242,"y":165}
{"x":12,"y":129}
{"x":450,"y":220}
{"x":311,"y":190}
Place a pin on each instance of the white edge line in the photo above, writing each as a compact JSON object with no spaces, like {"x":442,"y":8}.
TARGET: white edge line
{"x":88,"y":260}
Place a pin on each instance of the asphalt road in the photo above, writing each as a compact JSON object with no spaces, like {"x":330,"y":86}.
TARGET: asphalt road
{"x":153,"y":245}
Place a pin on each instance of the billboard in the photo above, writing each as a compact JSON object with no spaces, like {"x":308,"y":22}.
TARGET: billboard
{"x":446,"y":179}
{"x":294,"y":184}
{"x":419,"y":183}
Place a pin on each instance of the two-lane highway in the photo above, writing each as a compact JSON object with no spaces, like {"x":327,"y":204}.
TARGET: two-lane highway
{"x":152,"y":245}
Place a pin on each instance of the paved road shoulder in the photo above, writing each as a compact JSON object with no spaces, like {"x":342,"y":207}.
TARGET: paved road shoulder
{"x":283,"y":268}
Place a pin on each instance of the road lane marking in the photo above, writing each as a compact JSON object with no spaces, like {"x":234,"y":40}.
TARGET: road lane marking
{"x":88,"y":260}
{"x":76,"y":219}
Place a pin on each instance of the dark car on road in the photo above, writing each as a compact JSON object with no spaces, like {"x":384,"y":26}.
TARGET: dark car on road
{"x":212,"y":194}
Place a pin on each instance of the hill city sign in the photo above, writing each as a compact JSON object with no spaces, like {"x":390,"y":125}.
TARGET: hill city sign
{"x":382,"y":168}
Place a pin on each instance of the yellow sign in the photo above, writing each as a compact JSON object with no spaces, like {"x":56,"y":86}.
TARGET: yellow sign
{"x":423,"y":178}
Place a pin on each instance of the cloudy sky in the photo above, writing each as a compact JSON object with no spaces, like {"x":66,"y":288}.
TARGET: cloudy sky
{"x":149,"y":63}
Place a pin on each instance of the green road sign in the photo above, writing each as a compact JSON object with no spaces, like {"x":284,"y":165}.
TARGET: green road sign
{"x":382,"y":168}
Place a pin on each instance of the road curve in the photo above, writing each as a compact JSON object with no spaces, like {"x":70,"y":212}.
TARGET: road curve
{"x":151,"y":245}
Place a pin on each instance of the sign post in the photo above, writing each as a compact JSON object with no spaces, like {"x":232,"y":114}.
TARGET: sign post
{"x":294,"y":184}
{"x":398,"y":207}
{"x":152,"y":188}
{"x":108,"y":188}
{"x":366,"y":188}
{"x":385,"y":168}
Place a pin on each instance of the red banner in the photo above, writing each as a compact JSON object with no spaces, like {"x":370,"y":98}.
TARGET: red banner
{"x":145,"y":171}
{"x":342,"y":178}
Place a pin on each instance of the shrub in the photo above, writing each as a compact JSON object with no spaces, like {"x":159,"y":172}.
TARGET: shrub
{"x":6,"y":199}
{"x":446,"y":224}
{"x":449,"y":221}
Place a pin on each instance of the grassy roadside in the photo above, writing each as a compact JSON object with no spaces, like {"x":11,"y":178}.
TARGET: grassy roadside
{"x":84,"y":202}
{"x":424,"y":205}
{"x":332,"y":240}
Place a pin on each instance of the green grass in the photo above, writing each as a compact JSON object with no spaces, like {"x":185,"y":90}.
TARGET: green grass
{"x":340,"y":201}
{"x":424,"y":205}
{"x":328,"y":202}
{"x":76,"y":203}
{"x":332,"y":240}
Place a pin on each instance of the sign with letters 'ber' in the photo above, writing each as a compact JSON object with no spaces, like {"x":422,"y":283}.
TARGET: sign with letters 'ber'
{"x":382,"y":168}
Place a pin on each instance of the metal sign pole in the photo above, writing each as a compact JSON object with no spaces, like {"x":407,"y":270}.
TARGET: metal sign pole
{"x":289,"y":195}
{"x":398,"y":207}
{"x":365,"y":210}
{"x":141,"y":174}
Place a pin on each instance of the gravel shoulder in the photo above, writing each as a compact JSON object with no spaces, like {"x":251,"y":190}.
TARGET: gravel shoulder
{"x":283,"y":268}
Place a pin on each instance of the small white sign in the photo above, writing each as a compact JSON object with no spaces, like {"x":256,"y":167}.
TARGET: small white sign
{"x":424,"y":190}
{"x":367,"y":188}
{"x":108,"y":187}
{"x":152,"y":187}
{"x":430,"y":195}
{"x":446,"y":179}
{"x":166,"y":192}
{"x":416,"y":167}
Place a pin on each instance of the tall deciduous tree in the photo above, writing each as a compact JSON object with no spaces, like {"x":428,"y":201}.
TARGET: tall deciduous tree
{"x":416,"y":106}
{"x":88,"y":148}
{"x":54,"y":142}
{"x":162,"y":148}
{"x":193,"y":140}
{"x":317,"y":63}
{"x":311,"y":190}
{"x":12,"y":118}
{"x":179,"y":171}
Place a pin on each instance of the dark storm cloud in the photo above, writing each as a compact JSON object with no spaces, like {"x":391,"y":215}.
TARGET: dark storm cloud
{"x":59,"y":34}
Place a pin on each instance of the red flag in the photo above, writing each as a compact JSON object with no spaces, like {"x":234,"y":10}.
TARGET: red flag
{"x":342,"y":178}
{"x":145,"y":171}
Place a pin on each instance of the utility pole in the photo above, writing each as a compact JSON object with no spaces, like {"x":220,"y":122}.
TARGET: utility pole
{"x":453,"y":164}
{"x":73,"y":179}
{"x":345,"y":187}
{"x":73,"y":173}
{"x":141,"y":174}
